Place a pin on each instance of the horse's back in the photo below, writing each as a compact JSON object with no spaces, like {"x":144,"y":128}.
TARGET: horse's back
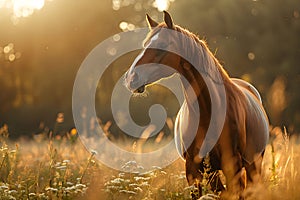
{"x":257,"y":124}
{"x":245,"y":84}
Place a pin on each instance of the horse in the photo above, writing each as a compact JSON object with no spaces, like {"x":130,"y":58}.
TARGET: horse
{"x":238,"y":151}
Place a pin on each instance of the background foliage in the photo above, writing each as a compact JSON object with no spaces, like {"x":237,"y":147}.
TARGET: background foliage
{"x":257,"y":40}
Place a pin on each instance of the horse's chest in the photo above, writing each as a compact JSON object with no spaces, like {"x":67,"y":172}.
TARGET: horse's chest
{"x":186,"y":126}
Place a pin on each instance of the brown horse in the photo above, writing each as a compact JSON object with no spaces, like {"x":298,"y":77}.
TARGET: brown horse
{"x":238,"y":146}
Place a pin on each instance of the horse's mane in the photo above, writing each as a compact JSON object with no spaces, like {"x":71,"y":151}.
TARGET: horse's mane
{"x":235,"y":97}
{"x":213,"y":63}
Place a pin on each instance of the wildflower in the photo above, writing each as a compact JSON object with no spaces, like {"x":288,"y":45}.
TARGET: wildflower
{"x":32,"y":194}
{"x":4,"y":187}
{"x":138,"y":189}
{"x":12,"y":192}
{"x":61,"y":167}
{"x":79,"y":185}
{"x":133,"y":185}
{"x":94,"y":152}
{"x":70,"y":188}
{"x":138,"y":178}
{"x":51,"y":189}
{"x":121,"y":174}
{"x":69,"y":183}
{"x":130,"y":163}
{"x":163,"y":172}
{"x":42,"y":195}
{"x":140,"y":167}
{"x":156,"y":167}
{"x":127,"y":191}
{"x":73,"y":132}
{"x":144,"y":184}
{"x":117,"y":181}
{"x":209,"y":197}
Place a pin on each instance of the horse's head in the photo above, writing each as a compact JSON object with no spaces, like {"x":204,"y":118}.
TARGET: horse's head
{"x":150,"y":65}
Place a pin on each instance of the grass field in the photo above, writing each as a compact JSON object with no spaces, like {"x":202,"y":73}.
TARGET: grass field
{"x":64,"y":169}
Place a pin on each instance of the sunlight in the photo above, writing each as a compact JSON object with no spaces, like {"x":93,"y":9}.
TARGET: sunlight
{"x":162,"y":4}
{"x":22,"y":8}
{"x":25,"y":8}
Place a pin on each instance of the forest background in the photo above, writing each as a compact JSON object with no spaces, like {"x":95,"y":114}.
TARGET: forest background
{"x":41,"y":51}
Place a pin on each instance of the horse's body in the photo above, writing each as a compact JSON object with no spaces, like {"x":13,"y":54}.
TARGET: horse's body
{"x":244,"y":134}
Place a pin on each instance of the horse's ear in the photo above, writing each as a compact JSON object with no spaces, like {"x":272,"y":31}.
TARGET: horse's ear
{"x":168,"y":20}
{"x":151,"y":22}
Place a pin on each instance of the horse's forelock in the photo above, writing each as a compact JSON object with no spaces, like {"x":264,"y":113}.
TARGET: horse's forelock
{"x":152,"y":32}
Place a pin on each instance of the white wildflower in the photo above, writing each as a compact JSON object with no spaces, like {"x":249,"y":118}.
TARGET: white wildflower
{"x":138,"y":189}
{"x":127,"y":191}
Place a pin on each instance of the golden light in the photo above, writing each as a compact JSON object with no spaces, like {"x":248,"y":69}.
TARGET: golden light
{"x":9,"y":52}
{"x":11,"y":57}
{"x":126,"y":26}
{"x":162,"y":5}
{"x":6,"y":49}
{"x":25,"y":8}
{"x":22,"y":8}
{"x":123,"y":25}
{"x":251,"y":56}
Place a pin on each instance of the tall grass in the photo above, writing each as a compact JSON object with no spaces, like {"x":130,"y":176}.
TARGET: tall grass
{"x":64,"y":169}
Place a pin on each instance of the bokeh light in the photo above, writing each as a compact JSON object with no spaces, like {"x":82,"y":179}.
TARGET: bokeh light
{"x":139,"y":5}
{"x":251,"y":56}
{"x":9,"y":52}
{"x":116,"y":4}
{"x":162,"y":4}
{"x":22,"y":8}
{"x":125,"y":26}
{"x":11,"y":57}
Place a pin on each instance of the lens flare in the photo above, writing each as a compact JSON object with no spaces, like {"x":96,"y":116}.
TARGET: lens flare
{"x":161,"y":4}
{"x":22,"y":8}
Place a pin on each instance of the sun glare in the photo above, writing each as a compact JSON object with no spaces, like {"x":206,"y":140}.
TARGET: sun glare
{"x":22,"y":8}
{"x":25,"y":8}
{"x":162,"y":4}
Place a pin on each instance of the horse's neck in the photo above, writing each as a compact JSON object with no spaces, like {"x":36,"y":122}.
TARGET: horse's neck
{"x":194,"y":83}
{"x":205,"y":65}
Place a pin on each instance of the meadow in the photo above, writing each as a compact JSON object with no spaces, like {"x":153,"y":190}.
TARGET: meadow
{"x":44,"y":168}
